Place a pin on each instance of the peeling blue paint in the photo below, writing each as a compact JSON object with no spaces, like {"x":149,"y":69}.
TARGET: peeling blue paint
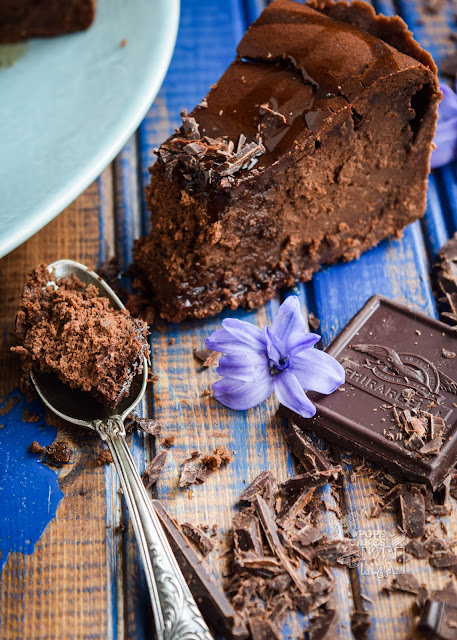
{"x":29,"y":490}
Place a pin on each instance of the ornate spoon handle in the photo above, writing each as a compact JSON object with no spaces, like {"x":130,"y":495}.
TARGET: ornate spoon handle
{"x":176,"y":615}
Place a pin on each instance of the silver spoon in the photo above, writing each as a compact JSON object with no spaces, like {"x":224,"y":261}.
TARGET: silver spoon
{"x":176,"y":614}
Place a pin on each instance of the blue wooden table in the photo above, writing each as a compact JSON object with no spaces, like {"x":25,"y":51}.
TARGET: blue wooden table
{"x":68,"y":563}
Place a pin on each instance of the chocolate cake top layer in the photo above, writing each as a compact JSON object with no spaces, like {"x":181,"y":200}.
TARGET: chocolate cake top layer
{"x":74,"y":332}
{"x":297,"y":65}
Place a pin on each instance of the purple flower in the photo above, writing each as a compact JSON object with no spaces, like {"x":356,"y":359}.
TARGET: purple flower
{"x":446,"y":130}
{"x":279,"y":359}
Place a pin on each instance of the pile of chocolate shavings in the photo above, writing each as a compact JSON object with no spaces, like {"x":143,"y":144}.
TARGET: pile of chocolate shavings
{"x":205,"y":161}
{"x":279,"y":559}
{"x":420,"y":431}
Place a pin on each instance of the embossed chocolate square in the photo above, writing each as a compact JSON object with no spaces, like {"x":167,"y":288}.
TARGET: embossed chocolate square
{"x":398,"y":405}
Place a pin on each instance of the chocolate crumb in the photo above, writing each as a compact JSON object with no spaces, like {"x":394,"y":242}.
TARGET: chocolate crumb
{"x":104,"y":457}
{"x":28,"y":416}
{"x":169,"y":441}
{"x":447,"y":354}
{"x":58,"y":453}
{"x":219,"y":457}
{"x":36,"y":448}
{"x":83,"y":491}
{"x":313,"y":321}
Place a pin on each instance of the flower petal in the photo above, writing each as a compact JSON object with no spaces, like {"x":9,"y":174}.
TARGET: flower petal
{"x":288,"y":319}
{"x":246,"y":333}
{"x":290,"y":393}
{"x":275,"y":347}
{"x":239,"y":395}
{"x":317,"y":371}
{"x":244,"y":366}
{"x":225,"y":342}
{"x":298,"y":342}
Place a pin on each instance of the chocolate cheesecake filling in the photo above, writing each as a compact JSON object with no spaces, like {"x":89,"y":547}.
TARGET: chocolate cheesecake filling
{"x":312,"y":147}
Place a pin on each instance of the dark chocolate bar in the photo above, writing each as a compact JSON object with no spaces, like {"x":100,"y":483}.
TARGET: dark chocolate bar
{"x":398,"y":405}
{"x":211,"y":600}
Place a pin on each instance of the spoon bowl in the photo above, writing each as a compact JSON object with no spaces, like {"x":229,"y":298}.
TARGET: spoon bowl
{"x":75,"y":405}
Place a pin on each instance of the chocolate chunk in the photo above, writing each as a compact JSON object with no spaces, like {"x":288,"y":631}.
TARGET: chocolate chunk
{"x":416,"y":548}
{"x":360,"y":624}
{"x":294,"y":506}
{"x":404,"y":582}
{"x":263,"y":629}
{"x":35,"y":447}
{"x":271,"y":533}
{"x":154,"y":469}
{"x":323,"y":627}
{"x":189,"y":474}
{"x":206,"y":356}
{"x":148,"y":425}
{"x":302,"y":482}
{"x":439,"y":615}
{"x":58,"y":453}
{"x":337,"y":552}
{"x":204,"y":542}
{"x":382,"y":355}
{"x":412,"y":510}
{"x":246,"y":533}
{"x":440,"y":553}
{"x":214,"y":605}
{"x":307,"y":535}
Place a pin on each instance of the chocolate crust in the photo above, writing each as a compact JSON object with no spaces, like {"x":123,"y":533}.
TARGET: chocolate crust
{"x":73,"y":332}
{"x":23,"y":19}
{"x":342,"y":123}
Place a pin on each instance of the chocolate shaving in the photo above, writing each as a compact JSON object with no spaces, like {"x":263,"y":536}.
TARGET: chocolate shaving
{"x":154,"y":470}
{"x":262,"y":485}
{"x":206,"y":356}
{"x":204,"y":542}
{"x":416,"y":548}
{"x":323,"y":627}
{"x":337,"y":552}
{"x":189,"y":474}
{"x":412,"y":512}
{"x":306,"y":451}
{"x":360,"y":624}
{"x":263,"y":629}
{"x":433,"y":447}
{"x":148,"y":425}
{"x":405,"y":582}
{"x":271,"y":533}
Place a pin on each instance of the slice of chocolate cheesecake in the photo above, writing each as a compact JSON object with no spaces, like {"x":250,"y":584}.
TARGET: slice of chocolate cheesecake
{"x":312,"y":147}
{"x":23,"y":19}
{"x":71,"y":330}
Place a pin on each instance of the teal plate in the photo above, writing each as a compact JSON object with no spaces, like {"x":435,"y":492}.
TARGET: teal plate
{"x":68,"y":104}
